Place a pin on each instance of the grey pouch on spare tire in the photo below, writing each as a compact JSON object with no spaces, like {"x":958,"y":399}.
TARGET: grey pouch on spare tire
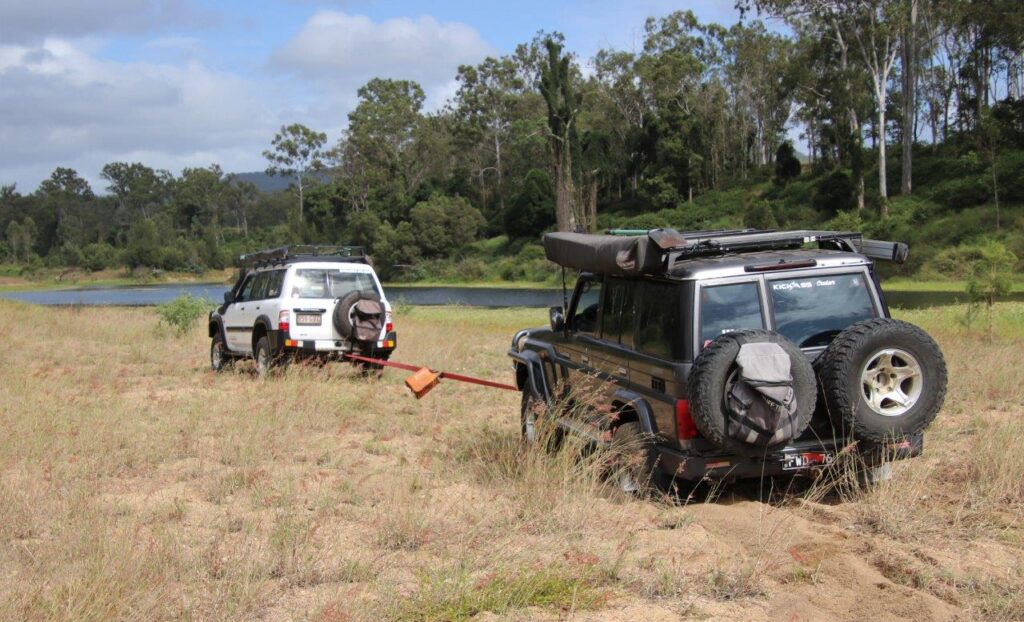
{"x":762,"y":406}
{"x":367,"y":320}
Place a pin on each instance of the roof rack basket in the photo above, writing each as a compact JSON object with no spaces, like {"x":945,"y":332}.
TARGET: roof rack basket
{"x":283,"y":254}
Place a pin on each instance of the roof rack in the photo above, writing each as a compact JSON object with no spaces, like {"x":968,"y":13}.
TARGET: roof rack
{"x":688,"y":244}
{"x":659,"y":250}
{"x":296,"y":252}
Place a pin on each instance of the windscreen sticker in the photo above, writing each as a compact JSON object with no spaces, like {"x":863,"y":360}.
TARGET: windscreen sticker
{"x":791,"y":285}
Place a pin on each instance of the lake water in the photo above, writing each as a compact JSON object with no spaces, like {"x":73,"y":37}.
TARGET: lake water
{"x":469,"y":296}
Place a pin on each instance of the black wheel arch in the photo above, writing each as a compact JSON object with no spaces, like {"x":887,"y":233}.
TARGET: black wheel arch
{"x":632,"y":406}
{"x":262,"y":328}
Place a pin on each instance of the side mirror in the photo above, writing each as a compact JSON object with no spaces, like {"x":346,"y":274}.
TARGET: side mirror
{"x":557,"y":318}
{"x":228,"y":298}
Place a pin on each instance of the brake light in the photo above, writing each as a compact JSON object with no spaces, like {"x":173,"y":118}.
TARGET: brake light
{"x":390,"y":323}
{"x":283,"y":323}
{"x":685,"y":427}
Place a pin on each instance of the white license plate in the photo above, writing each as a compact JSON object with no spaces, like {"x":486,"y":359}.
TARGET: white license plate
{"x":806,"y":460}
{"x":307,"y":319}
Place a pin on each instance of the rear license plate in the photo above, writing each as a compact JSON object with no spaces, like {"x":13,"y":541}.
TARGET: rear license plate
{"x":307,"y":319}
{"x":805,"y":460}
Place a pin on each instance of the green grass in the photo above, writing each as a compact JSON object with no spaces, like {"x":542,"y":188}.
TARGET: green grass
{"x":905,"y":284}
{"x":459,"y":595}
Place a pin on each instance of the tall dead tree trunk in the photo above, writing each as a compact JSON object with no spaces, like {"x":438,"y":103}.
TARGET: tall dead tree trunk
{"x":909,"y":62}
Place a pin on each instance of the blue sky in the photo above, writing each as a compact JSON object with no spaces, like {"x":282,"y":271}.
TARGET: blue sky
{"x":176,"y":83}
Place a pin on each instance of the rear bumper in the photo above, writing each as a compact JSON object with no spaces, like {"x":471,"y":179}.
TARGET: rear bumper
{"x":796,"y":458}
{"x":328,"y":346}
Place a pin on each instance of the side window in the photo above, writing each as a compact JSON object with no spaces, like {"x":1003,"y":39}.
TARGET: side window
{"x":725,"y":308}
{"x":274,"y":284}
{"x":584,"y":319}
{"x":617,"y":311}
{"x":246,"y":292}
{"x":259,"y":289}
{"x":658,"y":317}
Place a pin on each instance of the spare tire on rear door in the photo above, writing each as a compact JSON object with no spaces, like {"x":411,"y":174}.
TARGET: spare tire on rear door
{"x":883,"y":379}
{"x":359,"y":316}
{"x":751,"y":391}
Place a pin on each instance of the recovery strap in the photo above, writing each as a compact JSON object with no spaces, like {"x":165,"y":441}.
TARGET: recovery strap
{"x":443,"y":374}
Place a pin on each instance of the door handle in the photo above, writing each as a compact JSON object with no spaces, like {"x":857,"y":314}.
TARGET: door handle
{"x":622,"y":371}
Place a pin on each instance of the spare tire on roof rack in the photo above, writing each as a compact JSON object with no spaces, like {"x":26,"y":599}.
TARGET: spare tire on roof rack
{"x":751,"y":392}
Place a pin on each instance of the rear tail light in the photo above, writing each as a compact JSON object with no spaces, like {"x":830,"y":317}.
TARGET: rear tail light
{"x":389,"y":322}
{"x":685,"y":427}
{"x":283,"y":323}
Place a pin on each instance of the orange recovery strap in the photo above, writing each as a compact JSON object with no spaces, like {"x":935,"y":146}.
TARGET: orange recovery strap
{"x":424,"y":379}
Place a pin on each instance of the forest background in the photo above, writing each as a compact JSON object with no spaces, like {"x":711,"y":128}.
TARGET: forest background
{"x":909,"y":115}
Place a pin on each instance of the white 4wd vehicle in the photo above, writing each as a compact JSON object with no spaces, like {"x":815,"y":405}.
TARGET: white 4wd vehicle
{"x":311,"y":301}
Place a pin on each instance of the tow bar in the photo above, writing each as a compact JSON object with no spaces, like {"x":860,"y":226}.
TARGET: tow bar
{"x":424,"y":379}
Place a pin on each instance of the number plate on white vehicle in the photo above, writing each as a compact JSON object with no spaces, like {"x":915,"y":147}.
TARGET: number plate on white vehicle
{"x":805,"y":460}
{"x":307,"y":319}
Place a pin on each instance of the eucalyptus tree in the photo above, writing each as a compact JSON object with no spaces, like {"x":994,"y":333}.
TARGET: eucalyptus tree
{"x":64,"y":197}
{"x":297,"y":152}
{"x":138,"y":189}
{"x":486,"y":107}
{"x":374,"y":156}
{"x":873,"y":28}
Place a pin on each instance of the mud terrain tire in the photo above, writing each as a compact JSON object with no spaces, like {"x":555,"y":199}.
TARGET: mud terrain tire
{"x":883,"y":379}
{"x":706,"y":390}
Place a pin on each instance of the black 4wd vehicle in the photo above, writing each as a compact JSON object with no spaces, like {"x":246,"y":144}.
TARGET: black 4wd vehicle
{"x":729,"y":354}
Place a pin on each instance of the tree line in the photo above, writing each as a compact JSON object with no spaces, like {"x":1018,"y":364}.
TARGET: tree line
{"x":540,"y":139}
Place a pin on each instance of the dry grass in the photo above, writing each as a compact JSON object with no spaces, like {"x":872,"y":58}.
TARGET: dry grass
{"x":136,"y":484}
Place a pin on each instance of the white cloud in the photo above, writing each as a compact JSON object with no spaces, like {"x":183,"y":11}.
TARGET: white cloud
{"x":33,"y":20}
{"x":60,"y":106}
{"x":340,"y":52}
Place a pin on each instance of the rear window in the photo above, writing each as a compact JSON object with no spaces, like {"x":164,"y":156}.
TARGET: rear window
{"x":326,"y":283}
{"x":725,"y":308}
{"x":811,"y":311}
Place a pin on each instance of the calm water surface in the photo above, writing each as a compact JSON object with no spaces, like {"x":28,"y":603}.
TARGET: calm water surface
{"x":469,"y":296}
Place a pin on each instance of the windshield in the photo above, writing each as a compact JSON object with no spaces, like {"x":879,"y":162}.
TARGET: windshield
{"x":327,"y":283}
{"x":810,"y":311}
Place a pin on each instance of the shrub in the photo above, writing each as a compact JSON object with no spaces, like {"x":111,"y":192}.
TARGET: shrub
{"x":991,"y":273}
{"x":69,"y":254}
{"x":444,"y":224}
{"x":787,"y":166}
{"x":834,"y":193}
{"x":98,"y":256}
{"x":533,"y":209}
{"x":759,"y":216}
{"x":143,"y":245}
{"x":962,"y":192}
{"x":182,"y":312}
